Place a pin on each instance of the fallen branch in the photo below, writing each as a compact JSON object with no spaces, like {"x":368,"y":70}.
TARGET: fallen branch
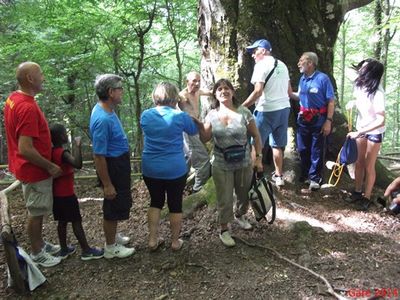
{"x":328,"y":285}
{"x":388,"y":158}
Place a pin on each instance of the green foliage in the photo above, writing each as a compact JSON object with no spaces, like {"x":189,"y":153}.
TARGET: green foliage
{"x":75,"y":40}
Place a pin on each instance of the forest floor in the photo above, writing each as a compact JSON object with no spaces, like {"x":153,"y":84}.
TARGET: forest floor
{"x":357,"y":252}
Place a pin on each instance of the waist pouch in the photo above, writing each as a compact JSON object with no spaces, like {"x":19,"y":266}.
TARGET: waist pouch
{"x":233,"y":154}
{"x":310,"y":116}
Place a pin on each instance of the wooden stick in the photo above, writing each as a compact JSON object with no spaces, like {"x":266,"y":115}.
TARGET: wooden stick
{"x":9,"y":241}
{"x":329,"y":286}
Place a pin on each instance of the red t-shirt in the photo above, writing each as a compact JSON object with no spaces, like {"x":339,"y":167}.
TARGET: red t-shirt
{"x":23,"y":117}
{"x":63,"y":186}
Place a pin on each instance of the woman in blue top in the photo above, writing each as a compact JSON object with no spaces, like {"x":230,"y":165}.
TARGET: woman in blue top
{"x":163,"y":162}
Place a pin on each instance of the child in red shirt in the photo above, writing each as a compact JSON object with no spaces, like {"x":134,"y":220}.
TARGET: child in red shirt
{"x":65,"y":205}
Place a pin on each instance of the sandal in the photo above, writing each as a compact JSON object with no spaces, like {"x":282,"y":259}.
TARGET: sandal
{"x":179,"y":247}
{"x":156,"y":246}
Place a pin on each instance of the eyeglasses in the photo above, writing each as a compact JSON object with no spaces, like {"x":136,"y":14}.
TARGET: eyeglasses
{"x":118,"y":88}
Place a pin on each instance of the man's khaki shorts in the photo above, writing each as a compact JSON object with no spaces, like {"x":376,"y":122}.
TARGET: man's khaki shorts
{"x":39,"y":197}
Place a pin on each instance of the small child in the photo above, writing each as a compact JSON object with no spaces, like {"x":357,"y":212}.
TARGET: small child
{"x":65,"y":203}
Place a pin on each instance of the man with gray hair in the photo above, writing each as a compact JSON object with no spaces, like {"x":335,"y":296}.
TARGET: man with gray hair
{"x":317,"y":105}
{"x":112,"y":161}
{"x":198,"y":154}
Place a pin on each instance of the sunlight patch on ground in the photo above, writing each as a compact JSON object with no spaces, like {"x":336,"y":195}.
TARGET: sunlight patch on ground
{"x":340,"y":221}
{"x":89,"y":199}
{"x":357,"y":223}
{"x":290,"y":216}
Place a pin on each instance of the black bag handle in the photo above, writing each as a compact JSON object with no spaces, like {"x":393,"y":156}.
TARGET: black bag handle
{"x":257,"y":176}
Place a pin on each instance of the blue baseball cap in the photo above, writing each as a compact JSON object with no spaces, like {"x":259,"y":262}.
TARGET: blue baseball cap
{"x":259,"y":44}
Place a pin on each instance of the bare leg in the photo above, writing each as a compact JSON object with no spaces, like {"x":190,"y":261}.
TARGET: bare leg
{"x":34,"y":229}
{"x":175,"y":220}
{"x":62,"y":234}
{"x":80,"y":235}
{"x":110,"y":229}
{"x":278,"y":160}
{"x":360,"y":164}
{"x":153,"y":219}
{"x":370,"y":174}
{"x":224,"y":227}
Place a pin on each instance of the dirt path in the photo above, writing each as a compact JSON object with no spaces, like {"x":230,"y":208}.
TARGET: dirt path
{"x":357,"y":252}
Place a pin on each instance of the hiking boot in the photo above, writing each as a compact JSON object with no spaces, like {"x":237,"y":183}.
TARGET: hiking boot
{"x":278,"y":180}
{"x":64,"y":253}
{"x":45,"y":259}
{"x":314,"y":186}
{"x":121,"y":239}
{"x":355,"y":197}
{"x":51,"y":248}
{"x":243,"y":222}
{"x":92,"y":253}
{"x":118,"y":251}
{"x":363,"y":204}
{"x":226,"y":239}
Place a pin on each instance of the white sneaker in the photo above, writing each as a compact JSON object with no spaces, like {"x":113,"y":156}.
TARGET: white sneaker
{"x":314,"y":185}
{"x":279,"y":181}
{"x":51,"y":248}
{"x":118,"y":251}
{"x":121,"y":239}
{"x":44,"y":259}
{"x":226,"y":239}
{"x":243,"y":222}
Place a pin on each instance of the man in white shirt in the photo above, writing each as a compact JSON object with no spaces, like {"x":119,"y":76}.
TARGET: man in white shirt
{"x":271,"y":85}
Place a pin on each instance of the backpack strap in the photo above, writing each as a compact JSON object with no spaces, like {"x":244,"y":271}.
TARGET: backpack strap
{"x":272,"y":72}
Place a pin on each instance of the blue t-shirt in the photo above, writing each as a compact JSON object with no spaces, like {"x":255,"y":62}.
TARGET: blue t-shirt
{"x":163,"y":129}
{"x":108,"y":136}
{"x":315,"y":91}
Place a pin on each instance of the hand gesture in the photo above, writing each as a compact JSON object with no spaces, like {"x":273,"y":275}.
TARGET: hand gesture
{"x":109,"y":192}
{"x":395,"y":185}
{"x":353,"y":135}
{"x":54,"y":170}
{"x":326,"y":128}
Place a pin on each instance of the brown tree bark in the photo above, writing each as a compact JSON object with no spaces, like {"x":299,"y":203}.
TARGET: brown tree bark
{"x":226,"y":27}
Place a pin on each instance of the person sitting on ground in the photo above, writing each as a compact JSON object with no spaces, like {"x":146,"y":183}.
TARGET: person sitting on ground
{"x":163,"y":161}
{"x":231,"y":124}
{"x":65,"y":202}
{"x":370,"y":103}
{"x":394,"y":187}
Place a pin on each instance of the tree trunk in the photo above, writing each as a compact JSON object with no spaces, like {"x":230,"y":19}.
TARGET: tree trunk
{"x":226,"y":27}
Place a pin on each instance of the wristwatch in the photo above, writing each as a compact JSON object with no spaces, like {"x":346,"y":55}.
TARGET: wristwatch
{"x":329,"y":119}
{"x":258,"y":155}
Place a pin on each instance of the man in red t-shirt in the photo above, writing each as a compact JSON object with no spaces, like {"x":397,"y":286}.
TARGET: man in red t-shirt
{"x":29,"y":157}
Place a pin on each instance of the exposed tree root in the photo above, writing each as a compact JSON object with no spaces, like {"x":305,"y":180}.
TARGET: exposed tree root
{"x":328,"y":285}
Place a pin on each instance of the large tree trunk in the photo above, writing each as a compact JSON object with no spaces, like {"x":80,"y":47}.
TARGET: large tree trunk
{"x":226,"y":27}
